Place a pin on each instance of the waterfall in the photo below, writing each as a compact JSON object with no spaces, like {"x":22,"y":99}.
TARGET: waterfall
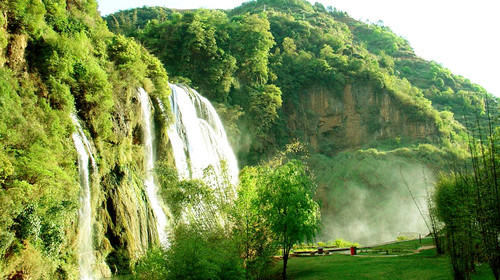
{"x":151,"y":188}
{"x":199,"y":139}
{"x":86,"y":251}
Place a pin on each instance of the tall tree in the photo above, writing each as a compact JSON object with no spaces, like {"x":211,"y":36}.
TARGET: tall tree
{"x":256,"y":246}
{"x":286,"y":196}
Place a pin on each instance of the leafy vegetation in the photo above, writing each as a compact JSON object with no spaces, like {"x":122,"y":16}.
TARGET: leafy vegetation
{"x":284,"y":198}
{"x":57,"y":57}
{"x":287,"y":48}
{"x":234,"y":238}
{"x":468,"y":206}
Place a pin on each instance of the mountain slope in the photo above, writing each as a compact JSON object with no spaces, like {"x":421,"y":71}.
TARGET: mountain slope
{"x":371,"y":112}
{"x":304,"y":49}
{"x":58,"y":58}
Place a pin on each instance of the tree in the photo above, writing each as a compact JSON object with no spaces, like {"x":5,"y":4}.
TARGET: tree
{"x":255,"y":245}
{"x":251,"y":45}
{"x":454,"y":199}
{"x":286,"y":195}
{"x":468,"y":203}
{"x":265,"y":102}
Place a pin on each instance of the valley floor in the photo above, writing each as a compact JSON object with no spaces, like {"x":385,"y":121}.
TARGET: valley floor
{"x":422,"y":265}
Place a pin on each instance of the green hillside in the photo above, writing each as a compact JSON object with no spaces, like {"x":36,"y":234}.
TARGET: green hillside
{"x":58,"y":57}
{"x":371,"y":112}
{"x":296,"y":46}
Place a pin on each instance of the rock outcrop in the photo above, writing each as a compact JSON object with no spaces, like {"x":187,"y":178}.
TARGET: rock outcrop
{"x":348,"y":120}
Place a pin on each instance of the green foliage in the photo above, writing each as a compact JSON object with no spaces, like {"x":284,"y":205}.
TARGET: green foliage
{"x":120,"y":259}
{"x":402,"y":238}
{"x":454,"y":201}
{"x":341,"y":243}
{"x":253,"y":41}
{"x":274,"y":206}
{"x":467,"y":203}
{"x":254,"y":238}
{"x":446,"y":91}
{"x":379,"y":38}
{"x":129,"y":24}
{"x":153,"y":265}
{"x":288,"y":193}
{"x":27,"y":224}
{"x":62,"y":59}
{"x":285,"y":196}
{"x":37,"y":175}
{"x":195,"y":37}
{"x":230,"y":116}
{"x":200,"y":201}
{"x":27,"y":16}
{"x":265,"y":103}
{"x":198,"y":253}
{"x":237,"y":57}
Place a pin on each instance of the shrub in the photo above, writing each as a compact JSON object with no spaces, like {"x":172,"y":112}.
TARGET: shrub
{"x":341,"y":243}
{"x":153,"y":265}
{"x":402,"y":238}
{"x":198,"y":253}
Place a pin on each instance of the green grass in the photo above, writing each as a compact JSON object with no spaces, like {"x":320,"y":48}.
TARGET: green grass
{"x":403,"y":247}
{"x":424,"y":265}
{"x":406,"y":245}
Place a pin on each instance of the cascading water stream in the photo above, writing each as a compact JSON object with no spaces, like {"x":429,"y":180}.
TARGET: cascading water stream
{"x":201,"y":151}
{"x":199,"y":139}
{"x":151,"y":188}
{"x":86,"y":250}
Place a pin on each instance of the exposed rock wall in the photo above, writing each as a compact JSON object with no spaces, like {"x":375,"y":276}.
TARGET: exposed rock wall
{"x":125,"y":225}
{"x":336,"y":121}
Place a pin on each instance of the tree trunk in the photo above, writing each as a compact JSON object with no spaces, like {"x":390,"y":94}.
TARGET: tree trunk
{"x":285,"y":260}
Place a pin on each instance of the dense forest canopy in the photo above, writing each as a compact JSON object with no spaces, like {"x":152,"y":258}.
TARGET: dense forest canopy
{"x":294,"y":46}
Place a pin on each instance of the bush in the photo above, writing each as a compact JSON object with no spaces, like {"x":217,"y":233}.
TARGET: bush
{"x":402,"y":238}
{"x":198,"y":253}
{"x":152,"y":266}
{"x":341,"y":243}
{"x":28,"y":224}
{"x":195,"y":253}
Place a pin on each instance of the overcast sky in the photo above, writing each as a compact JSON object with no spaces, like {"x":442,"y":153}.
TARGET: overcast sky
{"x":461,"y":35}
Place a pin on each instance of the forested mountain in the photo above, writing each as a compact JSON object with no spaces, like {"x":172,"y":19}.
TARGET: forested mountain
{"x":306,"y":50}
{"x":368,"y":108}
{"x":375,"y":120}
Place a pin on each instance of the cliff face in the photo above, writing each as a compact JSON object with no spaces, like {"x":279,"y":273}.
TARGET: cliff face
{"x":351,"y":119}
{"x":124,"y":225}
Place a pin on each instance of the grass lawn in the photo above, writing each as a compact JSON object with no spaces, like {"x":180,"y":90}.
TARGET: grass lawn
{"x":424,"y":265}
{"x":409,"y":245}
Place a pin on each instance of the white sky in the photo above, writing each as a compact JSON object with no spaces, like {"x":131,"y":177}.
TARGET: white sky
{"x":461,"y":35}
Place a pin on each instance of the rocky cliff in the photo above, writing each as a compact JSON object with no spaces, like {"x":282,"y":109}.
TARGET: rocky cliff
{"x":353,"y":118}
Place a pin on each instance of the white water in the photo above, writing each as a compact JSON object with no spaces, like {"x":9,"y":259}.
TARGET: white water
{"x":151,"y":188}
{"x":199,"y":139}
{"x":86,"y":251}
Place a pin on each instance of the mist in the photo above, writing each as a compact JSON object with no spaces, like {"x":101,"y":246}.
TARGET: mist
{"x":365,"y":198}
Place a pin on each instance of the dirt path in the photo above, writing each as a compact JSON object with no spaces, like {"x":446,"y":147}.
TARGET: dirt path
{"x":424,"y":248}
{"x":400,"y":255}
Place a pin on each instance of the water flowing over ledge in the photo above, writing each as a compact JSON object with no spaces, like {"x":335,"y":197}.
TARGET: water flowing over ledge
{"x":199,"y":139}
{"x":85,"y":237}
{"x":151,"y":188}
